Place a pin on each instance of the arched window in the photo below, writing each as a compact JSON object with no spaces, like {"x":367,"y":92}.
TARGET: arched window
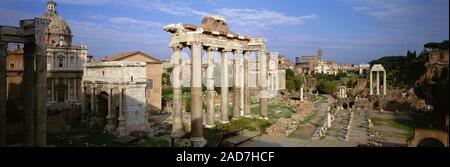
{"x":60,"y":62}
{"x":11,"y":65}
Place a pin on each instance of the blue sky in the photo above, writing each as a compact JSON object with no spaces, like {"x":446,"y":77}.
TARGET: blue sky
{"x":348,"y":31}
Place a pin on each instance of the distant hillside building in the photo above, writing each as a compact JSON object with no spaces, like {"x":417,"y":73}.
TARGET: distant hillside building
{"x":329,"y":68}
{"x":309,"y":63}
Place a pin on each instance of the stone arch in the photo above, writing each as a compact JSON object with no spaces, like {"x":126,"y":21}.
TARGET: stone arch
{"x":345,"y":106}
{"x":101,"y":102}
{"x":430,"y":142}
{"x":426,"y":134}
{"x":61,"y":91}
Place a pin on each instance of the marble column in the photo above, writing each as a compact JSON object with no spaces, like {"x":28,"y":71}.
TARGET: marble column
{"x":211,"y":94}
{"x":378,"y":82}
{"x":3,"y":54}
{"x":177,"y":115}
{"x":68,"y":89}
{"x":224,"y":86}
{"x":241,"y":91}
{"x":29,"y":95}
{"x":247,"y":111}
{"x":371,"y":82}
{"x":301,"y":93}
{"x":236,"y":85}
{"x":196,"y":96}
{"x":83,"y":105}
{"x":384,"y":83}
{"x":92,"y":114}
{"x":110,"y":117}
{"x":40,"y":87}
{"x":74,"y":97}
{"x":328,"y":119}
{"x":263,"y":83}
{"x":121,"y":127}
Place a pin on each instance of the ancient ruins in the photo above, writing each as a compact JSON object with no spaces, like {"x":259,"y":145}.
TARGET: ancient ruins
{"x":378,"y":68}
{"x":213,"y":35}
{"x":114,"y":96}
{"x":31,"y":34}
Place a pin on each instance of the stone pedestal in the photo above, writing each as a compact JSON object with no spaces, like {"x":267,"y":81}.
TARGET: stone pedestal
{"x":198,"y":141}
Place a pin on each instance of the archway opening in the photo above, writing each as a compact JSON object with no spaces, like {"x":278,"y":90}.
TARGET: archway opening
{"x":61,"y":92}
{"x":351,"y":104}
{"x":345,"y":106}
{"x":430,"y":142}
{"x":102,"y":108}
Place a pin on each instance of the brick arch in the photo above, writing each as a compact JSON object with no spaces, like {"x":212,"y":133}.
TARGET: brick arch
{"x":421,"y":134}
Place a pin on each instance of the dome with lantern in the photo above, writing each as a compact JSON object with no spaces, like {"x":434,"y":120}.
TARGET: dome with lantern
{"x":58,"y":32}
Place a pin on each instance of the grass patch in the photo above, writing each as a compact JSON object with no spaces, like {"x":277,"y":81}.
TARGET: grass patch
{"x":96,"y":138}
{"x":405,"y":125}
{"x":285,"y":111}
{"x":253,"y":124}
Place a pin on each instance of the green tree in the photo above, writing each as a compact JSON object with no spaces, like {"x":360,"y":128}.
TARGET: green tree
{"x":290,"y":85}
{"x":327,"y":87}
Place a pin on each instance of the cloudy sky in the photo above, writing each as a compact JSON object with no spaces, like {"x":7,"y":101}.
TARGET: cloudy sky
{"x":348,"y":31}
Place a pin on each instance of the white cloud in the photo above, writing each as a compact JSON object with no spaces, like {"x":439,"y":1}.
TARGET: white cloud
{"x":260,"y":18}
{"x":391,"y":11}
{"x":135,"y":22}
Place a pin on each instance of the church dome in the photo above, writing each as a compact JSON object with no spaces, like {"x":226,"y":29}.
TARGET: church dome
{"x":58,"y":32}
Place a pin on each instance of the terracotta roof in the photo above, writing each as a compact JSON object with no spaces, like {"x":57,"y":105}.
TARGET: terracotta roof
{"x":127,"y":54}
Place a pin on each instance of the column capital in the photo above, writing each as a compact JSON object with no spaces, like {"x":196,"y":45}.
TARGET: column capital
{"x":176,"y":47}
{"x":247,"y":52}
{"x":212,"y":49}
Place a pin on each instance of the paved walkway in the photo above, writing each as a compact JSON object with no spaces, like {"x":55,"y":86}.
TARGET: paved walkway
{"x":281,"y":141}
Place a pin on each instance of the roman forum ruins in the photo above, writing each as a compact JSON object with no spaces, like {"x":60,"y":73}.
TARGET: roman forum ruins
{"x":378,"y":68}
{"x":31,"y":33}
{"x":115,"y":91}
{"x":213,"y":36}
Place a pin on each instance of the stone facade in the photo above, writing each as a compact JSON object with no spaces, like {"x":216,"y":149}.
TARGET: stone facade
{"x":309,"y":63}
{"x":64,"y":64}
{"x":325,"y":68}
{"x":114,"y":96}
{"x":154,"y":76}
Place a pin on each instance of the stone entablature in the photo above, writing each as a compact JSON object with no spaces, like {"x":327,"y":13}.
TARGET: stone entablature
{"x":121,"y":72}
